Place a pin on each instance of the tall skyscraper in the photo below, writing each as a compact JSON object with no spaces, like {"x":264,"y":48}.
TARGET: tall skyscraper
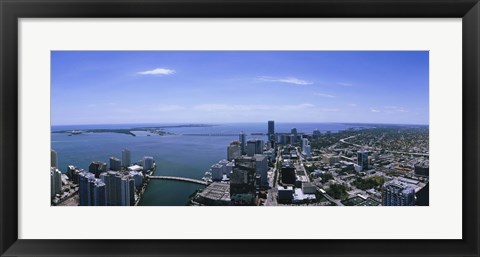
{"x":316,"y":133}
{"x":217,"y":172}
{"x":271,"y":130}
{"x":126,"y":158}
{"x":147,"y":163}
{"x":398,"y":194}
{"x":242,"y":138}
{"x":97,"y":168}
{"x":115,"y":164}
{"x":55,"y":181}
{"x":91,"y":190}
{"x":362,"y":159}
{"x":120,"y":188}
{"x":234,"y":150}
{"x":242,"y":181}
{"x":53,"y":158}
{"x":294,"y":135}
{"x":261,"y":168}
{"x":259,"y":146}
{"x":251,"y":147}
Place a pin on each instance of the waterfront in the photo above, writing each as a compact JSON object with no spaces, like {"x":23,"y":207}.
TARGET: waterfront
{"x":175,"y":155}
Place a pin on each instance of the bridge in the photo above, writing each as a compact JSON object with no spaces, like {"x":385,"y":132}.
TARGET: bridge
{"x":191,"y":180}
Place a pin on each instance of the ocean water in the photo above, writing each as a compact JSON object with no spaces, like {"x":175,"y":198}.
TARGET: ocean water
{"x":175,"y":155}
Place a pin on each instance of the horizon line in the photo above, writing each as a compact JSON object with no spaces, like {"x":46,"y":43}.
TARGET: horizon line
{"x":217,"y":123}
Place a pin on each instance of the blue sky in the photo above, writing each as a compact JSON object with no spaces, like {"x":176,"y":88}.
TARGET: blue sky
{"x":110,"y":87}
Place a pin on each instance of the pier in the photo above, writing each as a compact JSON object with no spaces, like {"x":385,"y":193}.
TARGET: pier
{"x":191,"y":180}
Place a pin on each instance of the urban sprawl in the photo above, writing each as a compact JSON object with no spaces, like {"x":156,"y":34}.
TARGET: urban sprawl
{"x":363,"y":166}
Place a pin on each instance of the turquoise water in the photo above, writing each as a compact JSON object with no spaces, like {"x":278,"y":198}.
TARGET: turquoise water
{"x":175,"y":155}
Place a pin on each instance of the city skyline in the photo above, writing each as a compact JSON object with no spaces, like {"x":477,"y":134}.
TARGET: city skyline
{"x":125,"y":87}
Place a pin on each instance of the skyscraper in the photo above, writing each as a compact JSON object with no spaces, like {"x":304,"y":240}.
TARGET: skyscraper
{"x":115,"y":164}
{"x":271,"y":130}
{"x":261,"y":168}
{"x":242,"y":138}
{"x":55,"y":181}
{"x":242,"y":181}
{"x":120,"y":188}
{"x":259,"y":146}
{"x":147,"y":163}
{"x":234,"y":150}
{"x":91,"y":190}
{"x":362,"y":159}
{"x":126,"y":158}
{"x":398,"y":194}
{"x":53,"y":158}
{"x":97,"y":167}
{"x":294,"y":135}
{"x":251,"y":147}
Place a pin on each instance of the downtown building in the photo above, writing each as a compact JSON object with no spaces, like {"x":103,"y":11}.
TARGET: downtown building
{"x":55,"y":182}
{"x":97,"y":168}
{"x":243,"y":141}
{"x":115,"y":164}
{"x":126,"y":158}
{"x":362,"y":159}
{"x":53,"y":159}
{"x":261,"y":169}
{"x":242,"y":181}
{"x":234,"y":150}
{"x":91,"y":191}
{"x":120,"y":188}
{"x":398,"y":194}
{"x":148,"y":163}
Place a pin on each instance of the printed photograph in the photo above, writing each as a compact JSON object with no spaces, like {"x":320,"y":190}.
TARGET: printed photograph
{"x":239,"y":128}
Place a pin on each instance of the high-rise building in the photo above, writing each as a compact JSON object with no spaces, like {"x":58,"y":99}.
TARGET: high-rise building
{"x":55,"y":181}
{"x":120,"y":188}
{"x":271,"y":130}
{"x":259,"y":146}
{"x":148,"y":163}
{"x":288,"y":173}
{"x":422,"y":169}
{"x":97,"y":168}
{"x":243,"y":141}
{"x":234,"y":150}
{"x":53,"y":158}
{"x":261,"y":168}
{"x":242,"y":181}
{"x":91,"y":191}
{"x":316,"y":133}
{"x":306,"y":148}
{"x":362,"y":159}
{"x":294,"y":135}
{"x":251,"y":147}
{"x":126,"y":158}
{"x":115,"y":164}
{"x":217,"y":172}
{"x":398,"y":194}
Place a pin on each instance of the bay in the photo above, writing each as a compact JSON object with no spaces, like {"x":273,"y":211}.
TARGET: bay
{"x":175,"y":155}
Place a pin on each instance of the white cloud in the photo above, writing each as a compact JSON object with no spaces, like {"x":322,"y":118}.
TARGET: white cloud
{"x":394,"y":109}
{"x":157,"y":71}
{"x":289,"y":80}
{"x":352,"y":105}
{"x":169,"y":108}
{"x":374,"y":110}
{"x":324,"y":95}
{"x":344,"y":84}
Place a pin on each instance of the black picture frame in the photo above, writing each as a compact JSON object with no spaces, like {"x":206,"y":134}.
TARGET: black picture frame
{"x":12,"y":10}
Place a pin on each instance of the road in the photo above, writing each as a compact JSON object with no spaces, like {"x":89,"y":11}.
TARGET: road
{"x":331,"y":199}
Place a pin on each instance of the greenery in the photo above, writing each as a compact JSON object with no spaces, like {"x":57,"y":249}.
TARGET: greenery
{"x":326,"y":177}
{"x":337,"y":191}
{"x":373,"y":182}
